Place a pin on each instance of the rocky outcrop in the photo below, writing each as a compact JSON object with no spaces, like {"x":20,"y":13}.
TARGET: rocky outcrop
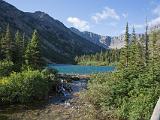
{"x":106,"y":42}
{"x":102,"y":41}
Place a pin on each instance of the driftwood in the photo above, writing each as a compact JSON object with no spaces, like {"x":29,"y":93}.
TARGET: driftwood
{"x":156,"y":112}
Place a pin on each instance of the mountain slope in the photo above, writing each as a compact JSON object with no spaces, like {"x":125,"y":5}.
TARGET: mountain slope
{"x":59,"y":44}
{"x":102,"y":41}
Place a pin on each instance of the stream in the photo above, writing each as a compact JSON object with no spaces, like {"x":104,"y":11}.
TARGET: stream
{"x":57,"y":108}
{"x":76,"y":85}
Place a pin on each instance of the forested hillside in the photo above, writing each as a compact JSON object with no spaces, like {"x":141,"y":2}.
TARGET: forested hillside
{"x":59,"y":43}
{"x":106,"y":58}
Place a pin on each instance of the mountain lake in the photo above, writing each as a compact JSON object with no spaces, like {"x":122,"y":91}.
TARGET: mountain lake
{"x":80,"y":70}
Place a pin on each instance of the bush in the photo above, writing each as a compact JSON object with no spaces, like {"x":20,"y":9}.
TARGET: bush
{"x":23,"y":87}
{"x":93,"y":63}
{"x":127,"y":94}
{"x":49,"y":71}
{"x":6,"y":68}
{"x":50,"y":75}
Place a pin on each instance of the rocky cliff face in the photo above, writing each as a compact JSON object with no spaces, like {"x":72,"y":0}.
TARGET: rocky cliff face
{"x":106,"y":42}
{"x":102,"y":41}
{"x":117,"y":42}
{"x":59,"y":43}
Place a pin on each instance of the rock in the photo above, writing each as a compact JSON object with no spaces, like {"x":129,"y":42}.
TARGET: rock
{"x":47,"y":111}
{"x":67,"y":104}
{"x":37,"y":113}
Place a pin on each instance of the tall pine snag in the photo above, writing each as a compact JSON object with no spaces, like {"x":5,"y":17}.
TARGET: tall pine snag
{"x":146,"y":44}
{"x":127,"y":43}
{"x":32,"y":54}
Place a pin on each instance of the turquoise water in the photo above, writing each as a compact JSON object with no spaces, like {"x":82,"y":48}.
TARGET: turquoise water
{"x":78,"y":69}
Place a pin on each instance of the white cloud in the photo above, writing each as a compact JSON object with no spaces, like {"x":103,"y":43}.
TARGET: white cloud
{"x":138,"y":26}
{"x":156,"y":11}
{"x":123,"y":31}
{"x":105,"y":14}
{"x":125,"y":15}
{"x":113,"y":24}
{"x":78,"y":23}
{"x":154,"y":22}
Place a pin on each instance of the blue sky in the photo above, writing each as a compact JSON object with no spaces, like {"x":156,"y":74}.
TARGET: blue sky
{"x":105,"y":17}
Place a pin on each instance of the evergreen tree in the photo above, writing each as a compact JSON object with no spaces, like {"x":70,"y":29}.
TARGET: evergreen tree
{"x":146,"y":44}
{"x":18,"y":49}
{"x":0,"y":48}
{"x":127,"y":43}
{"x":135,"y":59}
{"x":154,"y":51}
{"x":125,"y":51}
{"x":7,"y":45}
{"x":32,"y":53}
{"x":133,"y":35}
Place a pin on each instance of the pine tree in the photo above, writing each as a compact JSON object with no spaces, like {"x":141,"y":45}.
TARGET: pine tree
{"x":109,"y":56}
{"x":155,"y":55}
{"x":101,"y":56}
{"x":127,"y":43}
{"x":146,"y":44}
{"x":124,"y":56}
{"x":0,"y":48}
{"x":32,"y":53}
{"x":135,"y":59}
{"x":18,"y":54}
{"x":133,"y":35}
{"x":7,"y":45}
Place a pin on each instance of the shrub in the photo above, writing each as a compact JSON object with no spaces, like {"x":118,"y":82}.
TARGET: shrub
{"x":23,"y":87}
{"x":127,"y":94}
{"x":50,"y":75}
{"x":6,"y":67}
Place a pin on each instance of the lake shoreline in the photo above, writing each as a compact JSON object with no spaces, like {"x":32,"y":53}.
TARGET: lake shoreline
{"x":73,"y":76}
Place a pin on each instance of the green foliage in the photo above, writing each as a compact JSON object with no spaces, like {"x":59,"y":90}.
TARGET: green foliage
{"x":28,"y":85}
{"x":124,"y":55}
{"x":12,"y":49}
{"x":99,"y":59}
{"x":1,"y":48}
{"x":23,"y":87}
{"x":50,"y":75}
{"x":19,"y":49}
{"x":131,"y":92}
{"x":7,"y":45}
{"x":32,"y":53}
{"x":6,"y":67}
